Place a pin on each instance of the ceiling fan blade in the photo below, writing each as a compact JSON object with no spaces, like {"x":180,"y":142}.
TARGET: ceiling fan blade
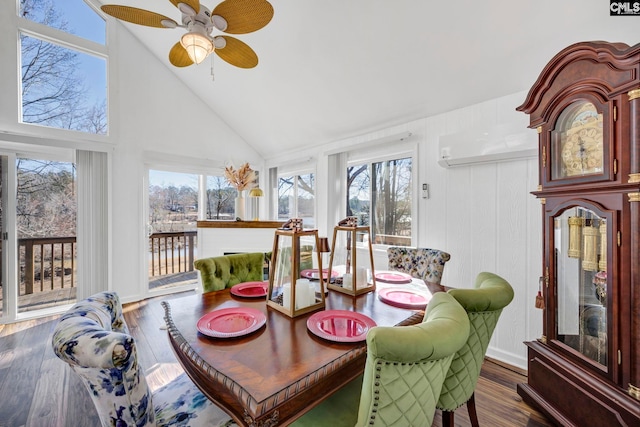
{"x":235,"y":52}
{"x":193,"y":4}
{"x":138,"y":16}
{"x":179,"y":57}
{"x":243,"y":16}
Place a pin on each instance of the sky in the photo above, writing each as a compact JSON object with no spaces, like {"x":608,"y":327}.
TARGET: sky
{"x":176,"y":179}
{"x":86,"y":23}
{"x":83,"y":21}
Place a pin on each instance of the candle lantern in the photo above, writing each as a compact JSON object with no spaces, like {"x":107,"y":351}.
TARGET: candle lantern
{"x":293,"y":250}
{"x":351,"y":260}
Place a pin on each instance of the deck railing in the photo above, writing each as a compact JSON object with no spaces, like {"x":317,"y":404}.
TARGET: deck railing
{"x":171,"y":252}
{"x":46,"y":263}
{"x":50,"y":263}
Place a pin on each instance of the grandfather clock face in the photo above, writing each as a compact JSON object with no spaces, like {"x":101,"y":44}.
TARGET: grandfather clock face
{"x":578,"y":142}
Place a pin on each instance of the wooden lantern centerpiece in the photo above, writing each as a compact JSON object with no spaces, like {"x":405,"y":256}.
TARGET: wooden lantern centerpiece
{"x":293,"y":249}
{"x":351,"y":259}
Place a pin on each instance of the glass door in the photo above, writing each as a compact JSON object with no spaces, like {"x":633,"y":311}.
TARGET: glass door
{"x":4,"y":160}
{"x":172,"y":227}
{"x":46,"y":208}
{"x":38,"y":263}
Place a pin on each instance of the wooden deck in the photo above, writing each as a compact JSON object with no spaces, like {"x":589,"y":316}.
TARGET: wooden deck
{"x":67,"y":295}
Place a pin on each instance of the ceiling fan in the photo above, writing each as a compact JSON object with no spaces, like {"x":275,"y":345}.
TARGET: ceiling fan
{"x":230,"y":16}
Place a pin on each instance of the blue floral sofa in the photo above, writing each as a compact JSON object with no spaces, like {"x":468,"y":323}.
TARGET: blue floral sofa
{"x":94,"y":340}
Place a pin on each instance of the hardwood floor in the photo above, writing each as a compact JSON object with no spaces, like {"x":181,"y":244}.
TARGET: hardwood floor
{"x":37,"y":389}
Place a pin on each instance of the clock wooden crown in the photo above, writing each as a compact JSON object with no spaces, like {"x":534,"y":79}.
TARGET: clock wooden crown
{"x":575,"y":104}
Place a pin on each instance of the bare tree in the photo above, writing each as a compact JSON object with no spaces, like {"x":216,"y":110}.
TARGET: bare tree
{"x":391,"y":195}
{"x":46,"y":203}
{"x":219,"y":198}
{"x":53,"y":92}
{"x":358,"y":180}
{"x":388,"y":184}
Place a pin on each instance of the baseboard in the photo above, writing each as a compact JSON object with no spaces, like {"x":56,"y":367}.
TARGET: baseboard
{"x":508,"y":366}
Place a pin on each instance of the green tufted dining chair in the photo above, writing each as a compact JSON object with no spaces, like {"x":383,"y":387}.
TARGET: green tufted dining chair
{"x":403,"y":374}
{"x":484,"y":304}
{"x":421,"y":263}
{"x":224,"y":271}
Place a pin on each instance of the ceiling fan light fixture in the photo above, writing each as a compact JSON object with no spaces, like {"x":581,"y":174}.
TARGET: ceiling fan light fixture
{"x":198,"y":46}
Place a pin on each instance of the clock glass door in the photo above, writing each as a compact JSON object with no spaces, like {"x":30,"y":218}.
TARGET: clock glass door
{"x":577,"y":142}
{"x":580,"y":240}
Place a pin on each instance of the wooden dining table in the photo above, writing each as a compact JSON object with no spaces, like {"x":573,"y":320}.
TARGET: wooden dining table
{"x":276,"y":373}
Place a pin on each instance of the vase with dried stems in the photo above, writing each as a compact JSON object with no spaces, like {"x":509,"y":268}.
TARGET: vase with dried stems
{"x":241,"y":179}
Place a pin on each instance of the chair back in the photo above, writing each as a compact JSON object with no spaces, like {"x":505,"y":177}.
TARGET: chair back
{"x":484,"y":304}
{"x":421,"y":263}
{"x":224,"y":271}
{"x":406,"y":366}
{"x":93,"y":339}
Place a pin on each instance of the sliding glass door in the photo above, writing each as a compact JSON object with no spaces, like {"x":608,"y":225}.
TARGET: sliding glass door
{"x":173,"y":214}
{"x":4,"y":160}
{"x":38,"y":248}
{"x":46,"y":207}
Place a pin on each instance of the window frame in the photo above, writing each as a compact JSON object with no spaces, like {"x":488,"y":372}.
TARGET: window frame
{"x":69,"y":41}
{"x":295,"y":210}
{"x":382,"y":154}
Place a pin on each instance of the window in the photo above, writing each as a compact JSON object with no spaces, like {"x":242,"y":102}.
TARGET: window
{"x":85,"y":22}
{"x":296,"y":198}
{"x":177,"y":197}
{"x":62,"y":84}
{"x":219,"y":198}
{"x":379,"y":194}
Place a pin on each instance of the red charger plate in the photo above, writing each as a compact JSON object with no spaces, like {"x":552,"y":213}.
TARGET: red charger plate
{"x":313,"y":273}
{"x":396,"y":277}
{"x":340,"y":325}
{"x":250,"y":289}
{"x":404,"y":298}
{"x":231,"y":322}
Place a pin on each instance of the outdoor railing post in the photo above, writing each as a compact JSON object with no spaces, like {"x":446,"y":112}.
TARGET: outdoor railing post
{"x":28,"y":267}
{"x":191,"y":253}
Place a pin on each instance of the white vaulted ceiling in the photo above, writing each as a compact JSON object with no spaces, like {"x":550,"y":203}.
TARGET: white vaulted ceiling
{"x":333,"y":69}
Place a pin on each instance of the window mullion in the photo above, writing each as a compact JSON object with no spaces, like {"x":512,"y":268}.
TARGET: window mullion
{"x":61,"y":38}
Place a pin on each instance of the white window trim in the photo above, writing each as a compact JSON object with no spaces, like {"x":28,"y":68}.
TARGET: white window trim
{"x":74,"y":139}
{"x":296,"y":172}
{"x":381,"y":154}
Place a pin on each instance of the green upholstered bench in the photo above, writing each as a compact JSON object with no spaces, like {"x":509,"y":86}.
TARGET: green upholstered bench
{"x":217,"y":273}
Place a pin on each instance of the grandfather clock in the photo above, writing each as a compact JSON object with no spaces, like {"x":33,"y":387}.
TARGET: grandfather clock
{"x":585,"y":368}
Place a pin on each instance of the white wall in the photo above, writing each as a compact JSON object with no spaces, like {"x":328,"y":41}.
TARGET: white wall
{"x":483,"y":215}
{"x":158,"y":118}
{"x":152,"y":116}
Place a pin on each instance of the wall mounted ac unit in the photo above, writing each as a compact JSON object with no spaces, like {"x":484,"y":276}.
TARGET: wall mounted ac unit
{"x":491,"y":144}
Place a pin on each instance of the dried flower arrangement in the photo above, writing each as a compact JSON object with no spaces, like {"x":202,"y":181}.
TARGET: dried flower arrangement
{"x":242,"y":178}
